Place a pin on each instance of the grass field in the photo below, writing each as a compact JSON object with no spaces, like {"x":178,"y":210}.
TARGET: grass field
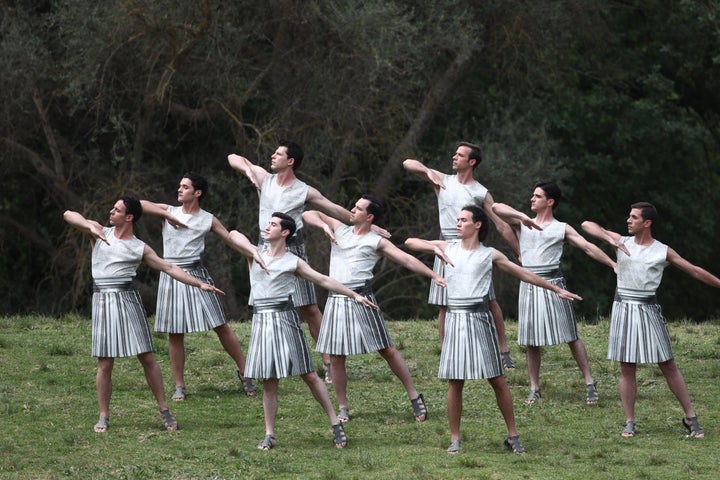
{"x":48,"y":407}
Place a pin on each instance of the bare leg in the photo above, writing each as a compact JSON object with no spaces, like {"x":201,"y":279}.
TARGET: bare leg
{"x":499,"y":320}
{"x":153,"y":376}
{"x":270,"y":404}
{"x":176,"y":344}
{"x":231,"y":344}
{"x":579,"y":353}
{"x":677,"y":385}
{"x":103,"y":384}
{"x":504,"y":401}
{"x":441,"y":323}
{"x":313,"y":317}
{"x":532,"y":354}
{"x":454,"y":407}
{"x":339,"y":379}
{"x":400,"y":369}
{"x":320,"y":393}
{"x":628,"y":389}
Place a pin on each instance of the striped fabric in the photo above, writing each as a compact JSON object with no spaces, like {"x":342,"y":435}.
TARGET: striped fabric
{"x":543,"y":317}
{"x":638,"y":333}
{"x":438,"y":294}
{"x":185,"y":309}
{"x":349,"y":328}
{"x":278,"y":347}
{"x":470,"y":350}
{"x":119,"y":323}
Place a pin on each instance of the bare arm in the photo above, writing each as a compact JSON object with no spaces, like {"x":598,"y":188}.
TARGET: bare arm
{"x":513,"y":217}
{"x":693,"y":270}
{"x":388,"y":250}
{"x":305,"y":271}
{"x":161,"y":210}
{"x":590,"y":249}
{"x":238,"y":242}
{"x":434,"y":177}
{"x":502,"y":262}
{"x":327,"y":223}
{"x":155,"y":262}
{"x":254,"y":173}
{"x":612,"y":238}
{"x":91,"y":227}
{"x":433,"y":247}
{"x":503,"y":228}
{"x":315,"y":198}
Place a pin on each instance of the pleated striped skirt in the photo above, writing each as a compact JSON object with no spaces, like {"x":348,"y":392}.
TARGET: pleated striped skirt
{"x":470,"y":350}
{"x":638,"y":332}
{"x":349,"y":328}
{"x":278,"y":347}
{"x":185,"y":309}
{"x":543,"y":317}
{"x":119,"y":322}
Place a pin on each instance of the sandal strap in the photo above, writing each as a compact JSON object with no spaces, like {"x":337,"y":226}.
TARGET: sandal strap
{"x":592,"y":394}
{"x":507,"y":361}
{"x":513,"y":444}
{"x":267,"y":442}
{"x":339,"y":437}
{"x":179,"y":394}
{"x":248,"y":387}
{"x":103,"y":423}
{"x":419,"y":408}
{"x":693,"y":427}
{"x":169,"y":420}
{"x":533,"y":397}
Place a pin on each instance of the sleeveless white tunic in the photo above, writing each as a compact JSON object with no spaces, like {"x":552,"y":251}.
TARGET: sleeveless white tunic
{"x":543,"y":317}
{"x":349,"y":328}
{"x":181,"y":308}
{"x":119,"y":320}
{"x":638,"y":331}
{"x":470,"y":349}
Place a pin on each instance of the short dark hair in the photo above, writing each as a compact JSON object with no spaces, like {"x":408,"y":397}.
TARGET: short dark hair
{"x":551,"y":190}
{"x":376,"y":207}
{"x":198,"y":182}
{"x":478,"y":215}
{"x":475,"y":152}
{"x":286,"y":222}
{"x":132,"y":207}
{"x":647,"y":210}
{"x":293,"y":151}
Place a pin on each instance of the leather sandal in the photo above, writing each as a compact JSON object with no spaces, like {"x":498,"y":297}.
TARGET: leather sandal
{"x":339,"y":437}
{"x":513,"y":444}
{"x":693,"y":427}
{"x":248,"y":387}
{"x":419,"y":408}
{"x":169,"y":420}
{"x":629,"y":430}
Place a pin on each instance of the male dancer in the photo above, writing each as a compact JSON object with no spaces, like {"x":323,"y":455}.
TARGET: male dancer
{"x":282,"y":191}
{"x":453,"y":192}
{"x":119,"y":321}
{"x":346,"y":328}
{"x":180,"y":309}
{"x":470,"y":350}
{"x":543,"y":317}
{"x":638,"y":331}
{"x":278,"y":347}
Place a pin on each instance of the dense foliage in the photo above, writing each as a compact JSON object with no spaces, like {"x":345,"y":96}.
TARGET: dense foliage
{"x":617,"y":100}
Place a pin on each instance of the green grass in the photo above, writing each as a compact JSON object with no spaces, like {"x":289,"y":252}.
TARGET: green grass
{"x":48,"y":407}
